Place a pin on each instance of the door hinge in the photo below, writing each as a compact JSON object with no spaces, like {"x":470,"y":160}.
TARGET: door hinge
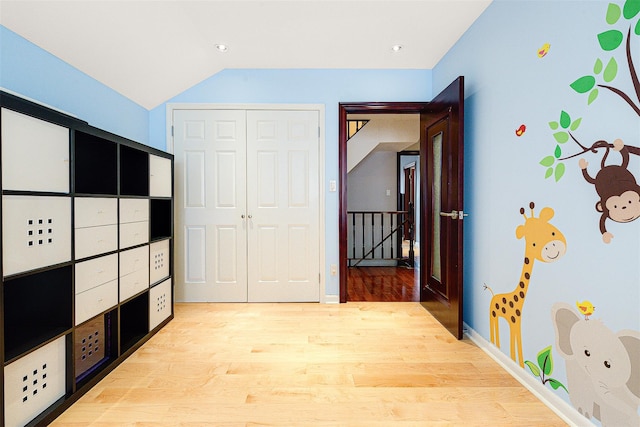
{"x":318,"y":131}
{"x":171,"y":130}
{"x":319,"y":278}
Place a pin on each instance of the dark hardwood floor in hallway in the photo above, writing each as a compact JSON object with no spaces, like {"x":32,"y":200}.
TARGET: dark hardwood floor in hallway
{"x":382,"y":284}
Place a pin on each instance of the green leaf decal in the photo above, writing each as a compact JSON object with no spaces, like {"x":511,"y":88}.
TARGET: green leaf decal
{"x":592,"y":96}
{"x":548,"y":173}
{"x":583,"y":84}
{"x":545,"y":360}
{"x":610,"y":40}
{"x":561,"y":137}
{"x":559,"y":171}
{"x":558,"y":152}
{"x":597,"y":67}
{"x":631,"y":8}
{"x":613,"y":13}
{"x":565,"y":119}
{"x":553,"y":125}
{"x":555,"y":384}
{"x":548,"y":161}
{"x":534,"y":369}
{"x":576,"y":124}
{"x":611,"y":70}
{"x":637,"y":29}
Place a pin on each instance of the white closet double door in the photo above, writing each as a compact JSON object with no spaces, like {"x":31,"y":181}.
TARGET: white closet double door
{"x":247,"y":205}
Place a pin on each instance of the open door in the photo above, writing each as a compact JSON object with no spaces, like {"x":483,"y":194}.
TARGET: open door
{"x":442,"y":166}
{"x":441,"y":198}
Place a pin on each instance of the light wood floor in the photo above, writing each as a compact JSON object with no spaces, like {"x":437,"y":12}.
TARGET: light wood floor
{"x":354,"y":364}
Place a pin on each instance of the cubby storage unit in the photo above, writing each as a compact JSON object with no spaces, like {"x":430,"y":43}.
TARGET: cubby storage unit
{"x":86,"y":256}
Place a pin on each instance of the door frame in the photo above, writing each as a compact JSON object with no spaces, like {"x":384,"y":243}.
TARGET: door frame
{"x":359,"y":108}
{"x":320,"y":108}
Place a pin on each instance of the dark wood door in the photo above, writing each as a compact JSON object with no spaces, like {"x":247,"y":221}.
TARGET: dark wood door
{"x":441,"y":207}
{"x":409,"y":200}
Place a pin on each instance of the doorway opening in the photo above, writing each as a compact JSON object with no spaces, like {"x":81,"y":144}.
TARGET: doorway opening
{"x":381,"y":167}
{"x":439,"y":217}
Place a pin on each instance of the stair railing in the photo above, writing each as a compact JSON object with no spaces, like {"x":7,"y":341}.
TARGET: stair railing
{"x":377,"y":235}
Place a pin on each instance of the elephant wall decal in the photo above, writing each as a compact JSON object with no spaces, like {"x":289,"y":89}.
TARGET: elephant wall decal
{"x":603,"y":367}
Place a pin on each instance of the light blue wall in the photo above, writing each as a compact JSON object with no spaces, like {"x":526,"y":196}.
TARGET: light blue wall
{"x":30,"y":71}
{"x":507,"y":85}
{"x":327,"y":87}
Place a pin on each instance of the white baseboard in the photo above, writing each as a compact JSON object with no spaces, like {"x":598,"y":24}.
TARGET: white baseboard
{"x":563,"y":409}
{"x":331,"y":299}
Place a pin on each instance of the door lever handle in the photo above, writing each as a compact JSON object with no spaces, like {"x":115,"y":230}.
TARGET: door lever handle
{"x":452,"y":214}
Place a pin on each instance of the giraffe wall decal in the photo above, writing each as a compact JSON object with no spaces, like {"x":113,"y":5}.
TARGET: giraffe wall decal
{"x":543,"y":242}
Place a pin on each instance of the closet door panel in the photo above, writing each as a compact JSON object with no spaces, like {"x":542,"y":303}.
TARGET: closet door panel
{"x":35,"y":154}
{"x":211,"y":214}
{"x":283,"y":198}
{"x":38,"y":231}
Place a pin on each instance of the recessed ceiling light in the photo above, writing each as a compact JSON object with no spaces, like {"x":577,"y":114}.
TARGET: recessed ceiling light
{"x":396,"y":47}
{"x":222,"y":47}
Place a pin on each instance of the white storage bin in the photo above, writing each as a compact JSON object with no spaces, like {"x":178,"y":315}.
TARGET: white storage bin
{"x":93,"y":212}
{"x":134,"y":271}
{"x":134,"y":210}
{"x":96,"y":240}
{"x":134,"y":222}
{"x":134,"y":233}
{"x":35,"y":154}
{"x":36,"y":232}
{"x":96,"y":300}
{"x":159,"y":260}
{"x":95,"y":272}
{"x":159,"y":176}
{"x":33,"y":383}
{"x":159,"y":303}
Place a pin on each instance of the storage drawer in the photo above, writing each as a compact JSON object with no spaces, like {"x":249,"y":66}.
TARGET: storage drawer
{"x":93,"y":212}
{"x":38,"y":231}
{"x":134,"y":210}
{"x":89,"y":345}
{"x":159,"y":176}
{"x":159,"y":260}
{"x":134,"y":233}
{"x":95,"y":272}
{"x":134,"y":271}
{"x":34,"y":382}
{"x":134,"y":260}
{"x":159,"y":303}
{"x":96,"y":300}
{"x":133,"y":283}
{"x":96,"y":240}
{"x":35,"y":154}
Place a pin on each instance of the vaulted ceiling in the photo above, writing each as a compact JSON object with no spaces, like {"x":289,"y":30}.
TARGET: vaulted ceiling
{"x":151,"y":50}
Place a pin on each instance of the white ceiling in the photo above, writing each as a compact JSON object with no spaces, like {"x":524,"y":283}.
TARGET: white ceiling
{"x":151,"y":50}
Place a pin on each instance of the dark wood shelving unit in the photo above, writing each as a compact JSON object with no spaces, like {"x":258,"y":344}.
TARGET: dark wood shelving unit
{"x":73,"y":307}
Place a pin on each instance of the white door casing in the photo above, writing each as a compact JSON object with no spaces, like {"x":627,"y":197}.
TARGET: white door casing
{"x":247,"y":205}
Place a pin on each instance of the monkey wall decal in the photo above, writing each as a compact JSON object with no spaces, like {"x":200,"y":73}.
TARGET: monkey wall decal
{"x":617,"y":187}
